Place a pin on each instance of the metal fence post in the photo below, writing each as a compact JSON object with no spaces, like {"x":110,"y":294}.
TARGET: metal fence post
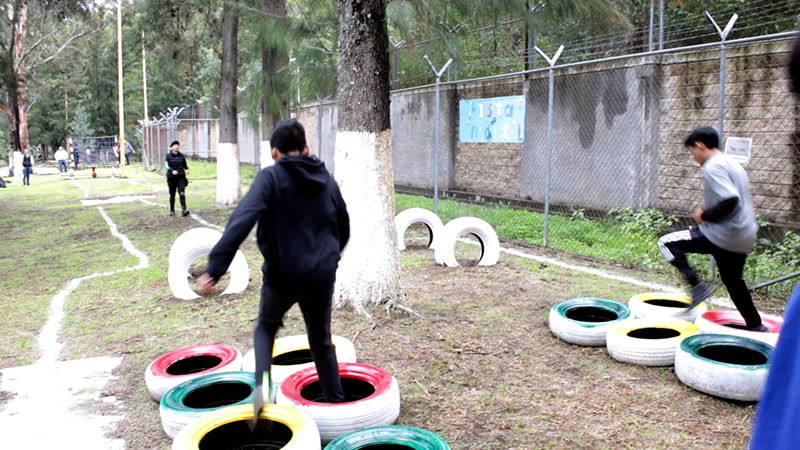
{"x":438,"y":74}
{"x":552,"y":63}
{"x":395,"y":47}
{"x":723,"y":65}
{"x":661,"y":25}
{"x":650,"y":27}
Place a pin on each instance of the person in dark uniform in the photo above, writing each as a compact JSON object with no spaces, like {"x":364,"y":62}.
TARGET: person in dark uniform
{"x":176,"y":177}
{"x":27,"y":167}
{"x":303,"y":226}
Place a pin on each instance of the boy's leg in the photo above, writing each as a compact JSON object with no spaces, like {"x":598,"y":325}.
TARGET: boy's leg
{"x":182,"y":195}
{"x":675,"y":245}
{"x":731,"y":266}
{"x":273,"y":306}
{"x":316,"y":307}
{"x":172,"y":189}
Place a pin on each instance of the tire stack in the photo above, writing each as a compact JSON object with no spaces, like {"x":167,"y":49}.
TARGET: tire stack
{"x":443,"y":238}
{"x":205,"y":400}
{"x":724,"y":361}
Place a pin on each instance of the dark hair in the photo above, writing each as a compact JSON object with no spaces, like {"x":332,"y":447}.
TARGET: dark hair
{"x":288,"y":136}
{"x":794,"y":67}
{"x":174,"y":143}
{"x":707,"y":135}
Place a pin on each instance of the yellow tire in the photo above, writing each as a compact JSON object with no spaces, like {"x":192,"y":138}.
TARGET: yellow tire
{"x":229,"y":425}
{"x":297,"y":345}
{"x":665,"y":304}
{"x":649,"y":341}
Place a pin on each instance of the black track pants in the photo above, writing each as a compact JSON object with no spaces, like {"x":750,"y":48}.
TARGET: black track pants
{"x":675,"y":245}
{"x":315,"y":305}
{"x":176,"y":184}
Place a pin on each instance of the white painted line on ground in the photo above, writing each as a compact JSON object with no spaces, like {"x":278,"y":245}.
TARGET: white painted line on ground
{"x":50,"y":399}
{"x":84,"y":188}
{"x":192,"y":215}
{"x":120,"y":199}
{"x":717,"y":301}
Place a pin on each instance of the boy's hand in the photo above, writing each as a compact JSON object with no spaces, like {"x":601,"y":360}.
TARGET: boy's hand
{"x":174,"y":172}
{"x":205,"y":283}
{"x":698,"y":215}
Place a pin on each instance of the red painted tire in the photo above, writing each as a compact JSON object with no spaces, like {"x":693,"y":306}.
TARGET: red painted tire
{"x":731,"y":322}
{"x":178,"y":366}
{"x":363,"y":409}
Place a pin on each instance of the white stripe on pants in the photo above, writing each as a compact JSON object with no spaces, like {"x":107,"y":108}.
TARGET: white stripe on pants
{"x":675,"y":236}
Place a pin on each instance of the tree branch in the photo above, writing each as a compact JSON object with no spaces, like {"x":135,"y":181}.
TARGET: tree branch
{"x":7,"y":110}
{"x":35,"y":45}
{"x":63,"y":46}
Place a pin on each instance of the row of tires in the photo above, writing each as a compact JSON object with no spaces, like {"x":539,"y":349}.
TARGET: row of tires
{"x":206,"y":397}
{"x":713,"y":355}
{"x":443,"y":238}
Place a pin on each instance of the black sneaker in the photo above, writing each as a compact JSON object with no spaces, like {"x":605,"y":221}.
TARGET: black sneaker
{"x":172,"y":212}
{"x":760,"y":328}
{"x":185,"y":213}
{"x":701,"y":292}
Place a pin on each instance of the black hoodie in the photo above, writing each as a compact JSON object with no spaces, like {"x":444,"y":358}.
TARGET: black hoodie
{"x":302,"y":225}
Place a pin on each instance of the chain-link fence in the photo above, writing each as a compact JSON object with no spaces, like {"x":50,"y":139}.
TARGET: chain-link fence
{"x":619,"y":173}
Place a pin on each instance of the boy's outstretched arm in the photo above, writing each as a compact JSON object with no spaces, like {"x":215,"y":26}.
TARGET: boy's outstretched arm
{"x":239,"y":225}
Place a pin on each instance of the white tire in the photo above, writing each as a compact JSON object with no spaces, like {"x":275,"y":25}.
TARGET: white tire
{"x":584,"y":320}
{"x":707,"y":363}
{"x":191,"y":245}
{"x":490,"y":245}
{"x":410,"y":216}
{"x":178,"y":366}
{"x":345,"y":353}
{"x":648,"y":342}
{"x":382,"y":407}
{"x":665,"y":304}
{"x":731,"y":323}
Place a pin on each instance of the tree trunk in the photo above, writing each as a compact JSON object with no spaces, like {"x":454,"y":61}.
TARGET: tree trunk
{"x":274,"y":104}
{"x":17,"y":85}
{"x":369,"y":271}
{"x":228,"y":178}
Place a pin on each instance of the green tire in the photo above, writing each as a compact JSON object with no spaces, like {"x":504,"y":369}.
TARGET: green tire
{"x":395,"y":435}
{"x":191,"y":399}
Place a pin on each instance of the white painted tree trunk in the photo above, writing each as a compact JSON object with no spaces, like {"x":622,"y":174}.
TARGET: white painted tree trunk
{"x":369,"y":272}
{"x":229,"y":182}
{"x":265,"y":154}
{"x":15,"y":165}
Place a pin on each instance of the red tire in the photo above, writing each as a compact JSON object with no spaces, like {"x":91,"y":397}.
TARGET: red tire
{"x":372,"y":398}
{"x":178,"y":366}
{"x":731,"y":322}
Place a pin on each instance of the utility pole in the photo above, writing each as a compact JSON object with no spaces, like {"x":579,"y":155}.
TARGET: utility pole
{"x":144,"y":92}
{"x":122,"y":170}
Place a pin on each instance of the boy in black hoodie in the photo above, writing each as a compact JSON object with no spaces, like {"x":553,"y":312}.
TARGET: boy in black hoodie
{"x":303,"y":227}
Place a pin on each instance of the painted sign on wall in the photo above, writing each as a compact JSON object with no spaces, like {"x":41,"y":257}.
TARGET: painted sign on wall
{"x":498,"y":119}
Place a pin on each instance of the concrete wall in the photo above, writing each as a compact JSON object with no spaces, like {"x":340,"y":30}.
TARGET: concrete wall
{"x":414,"y":137}
{"x":605,"y":151}
{"x":618,"y":133}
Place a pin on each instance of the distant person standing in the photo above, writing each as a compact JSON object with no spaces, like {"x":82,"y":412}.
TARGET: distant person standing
{"x":176,"y":177}
{"x":88,"y":155}
{"x":726,"y":226}
{"x":76,"y":156}
{"x":128,"y":152}
{"x":27,"y":167}
{"x":62,"y":156}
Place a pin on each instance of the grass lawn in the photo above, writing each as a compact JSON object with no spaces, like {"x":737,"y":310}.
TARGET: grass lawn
{"x":478,"y":365}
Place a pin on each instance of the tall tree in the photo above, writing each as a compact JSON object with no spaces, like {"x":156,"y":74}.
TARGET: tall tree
{"x":19,"y":60}
{"x":274,"y":65}
{"x":369,"y":271}
{"x":228,"y":178}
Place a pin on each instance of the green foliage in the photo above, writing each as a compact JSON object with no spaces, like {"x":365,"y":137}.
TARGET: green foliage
{"x":79,"y":126}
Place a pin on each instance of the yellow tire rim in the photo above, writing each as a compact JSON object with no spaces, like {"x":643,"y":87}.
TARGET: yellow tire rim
{"x":665,"y":304}
{"x":684,"y":327}
{"x":304,"y":431}
{"x":345,"y":352}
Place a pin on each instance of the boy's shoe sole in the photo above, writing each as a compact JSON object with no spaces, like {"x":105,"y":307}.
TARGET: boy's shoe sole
{"x":700,"y":293}
{"x":760,"y":328}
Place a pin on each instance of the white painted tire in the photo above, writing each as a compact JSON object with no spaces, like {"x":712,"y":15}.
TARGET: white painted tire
{"x":710,"y":374}
{"x":382,"y":407}
{"x":585,"y":320}
{"x":665,"y":304}
{"x":191,"y":245}
{"x":345,"y":353}
{"x":490,"y":245}
{"x":410,"y":216}
{"x":165,"y":372}
{"x":625,"y":344}
{"x":717,"y":321}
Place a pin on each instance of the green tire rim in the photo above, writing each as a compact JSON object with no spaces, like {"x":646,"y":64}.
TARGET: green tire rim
{"x":413,"y":438}
{"x":175,"y":398}
{"x":698,"y":342}
{"x":621,"y":311}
